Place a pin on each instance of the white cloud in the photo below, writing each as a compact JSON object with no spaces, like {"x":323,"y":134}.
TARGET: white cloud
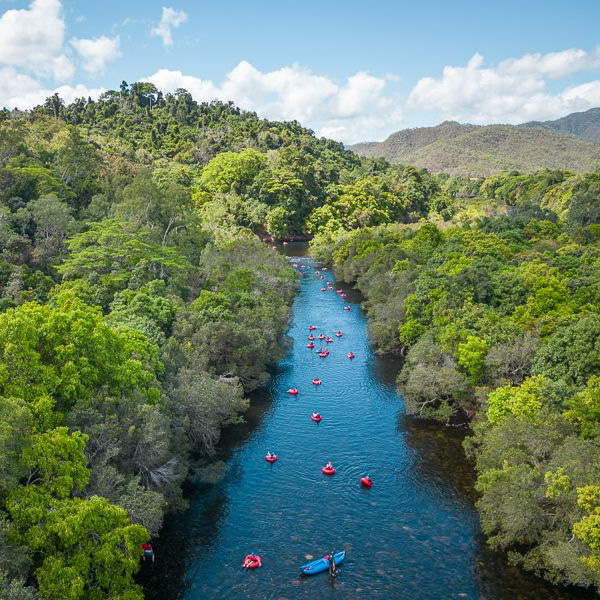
{"x":169,"y":20}
{"x":513,"y":91}
{"x":553,"y":65}
{"x":23,"y":92}
{"x":355,"y":111}
{"x":32,"y":38}
{"x":97,"y":52}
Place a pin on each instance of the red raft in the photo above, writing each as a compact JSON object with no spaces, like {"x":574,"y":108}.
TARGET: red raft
{"x":351,"y":355}
{"x":316,"y":417}
{"x":271,"y":459}
{"x":316,"y":381}
{"x":311,"y":327}
{"x":338,"y":334}
{"x":346,"y":308}
{"x":310,"y":345}
{"x":293,"y":392}
{"x":328,"y":469}
{"x":366,"y":481}
{"x":252,"y":561}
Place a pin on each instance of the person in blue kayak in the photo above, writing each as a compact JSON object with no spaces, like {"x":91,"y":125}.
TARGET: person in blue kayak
{"x":332,"y":566}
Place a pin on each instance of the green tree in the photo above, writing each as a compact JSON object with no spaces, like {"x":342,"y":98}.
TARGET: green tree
{"x":77,"y":163}
{"x":572,"y":353}
{"x":471,"y":357}
{"x":117,"y":253}
{"x":66,"y":352}
{"x":89,"y":548}
{"x":588,"y":528}
{"x":229,"y":172}
{"x":522,"y":401}
{"x":584,"y":408}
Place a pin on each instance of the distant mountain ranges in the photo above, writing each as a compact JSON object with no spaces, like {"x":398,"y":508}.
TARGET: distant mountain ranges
{"x":571,"y":142}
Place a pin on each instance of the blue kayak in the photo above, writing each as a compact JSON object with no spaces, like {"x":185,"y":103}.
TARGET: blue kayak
{"x":322,"y":564}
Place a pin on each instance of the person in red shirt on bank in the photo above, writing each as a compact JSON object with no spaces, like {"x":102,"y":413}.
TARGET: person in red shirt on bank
{"x":148,"y":552}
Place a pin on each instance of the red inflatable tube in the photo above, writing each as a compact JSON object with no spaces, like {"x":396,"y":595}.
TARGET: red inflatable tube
{"x":317,"y":418}
{"x":321,"y":336}
{"x":351,"y":355}
{"x":271,"y":459}
{"x":311,"y":337}
{"x":328,"y":470}
{"x":366,"y":482}
{"x":252,"y":561}
{"x":323,"y":354}
{"x":329,"y":340}
{"x":339,"y":291}
{"x":316,"y":382}
{"x":346,"y":308}
{"x":310,"y":345}
{"x":311,"y":327}
{"x":338,"y":334}
{"x":292,"y":391}
{"x":323,"y":290}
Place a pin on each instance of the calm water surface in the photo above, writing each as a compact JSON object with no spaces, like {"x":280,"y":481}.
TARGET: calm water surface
{"x":415,"y":534}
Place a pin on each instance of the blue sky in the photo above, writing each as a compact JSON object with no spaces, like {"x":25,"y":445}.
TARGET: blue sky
{"x":348,"y":69}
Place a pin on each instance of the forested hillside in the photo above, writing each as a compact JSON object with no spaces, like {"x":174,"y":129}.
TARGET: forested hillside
{"x":476,"y":151}
{"x":139,"y":305}
{"x":584,"y":125}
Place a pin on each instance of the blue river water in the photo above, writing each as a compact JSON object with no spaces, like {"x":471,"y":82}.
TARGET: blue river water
{"x":414,"y":534}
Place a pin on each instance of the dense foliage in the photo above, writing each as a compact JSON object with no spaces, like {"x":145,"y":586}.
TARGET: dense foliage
{"x":498,"y":321}
{"x":274,"y":178}
{"x":130,"y":329}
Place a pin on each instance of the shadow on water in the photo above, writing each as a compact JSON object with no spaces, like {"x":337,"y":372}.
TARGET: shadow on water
{"x":415,"y":535}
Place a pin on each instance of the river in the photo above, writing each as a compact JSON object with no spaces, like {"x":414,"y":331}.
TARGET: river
{"x":414,"y":534}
